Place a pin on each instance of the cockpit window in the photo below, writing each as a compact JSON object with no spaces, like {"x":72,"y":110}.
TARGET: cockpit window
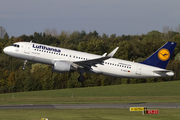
{"x":15,"y":45}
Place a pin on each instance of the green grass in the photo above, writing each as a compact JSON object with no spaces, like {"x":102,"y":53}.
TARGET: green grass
{"x":88,"y":114}
{"x":125,"y":93}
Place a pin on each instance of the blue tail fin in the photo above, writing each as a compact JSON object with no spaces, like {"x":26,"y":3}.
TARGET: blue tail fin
{"x":161,"y":57}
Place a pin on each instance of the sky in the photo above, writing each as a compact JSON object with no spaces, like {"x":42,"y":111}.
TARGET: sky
{"x":128,"y":17}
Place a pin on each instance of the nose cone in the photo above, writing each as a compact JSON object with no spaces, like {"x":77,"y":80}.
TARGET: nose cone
{"x":5,"y":50}
{"x":10,"y":51}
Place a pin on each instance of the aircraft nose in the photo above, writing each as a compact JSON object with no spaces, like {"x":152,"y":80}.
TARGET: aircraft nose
{"x":6,"y":50}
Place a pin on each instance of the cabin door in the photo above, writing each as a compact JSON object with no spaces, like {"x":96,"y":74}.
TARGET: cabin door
{"x":27,"y":48}
{"x":138,"y":71}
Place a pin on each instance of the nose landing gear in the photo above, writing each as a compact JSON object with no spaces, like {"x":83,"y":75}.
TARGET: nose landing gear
{"x":23,"y":68}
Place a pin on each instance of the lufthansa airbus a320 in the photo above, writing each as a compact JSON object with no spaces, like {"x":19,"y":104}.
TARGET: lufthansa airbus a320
{"x":65,"y":60}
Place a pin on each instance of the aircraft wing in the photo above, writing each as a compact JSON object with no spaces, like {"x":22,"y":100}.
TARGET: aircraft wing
{"x":93,"y":62}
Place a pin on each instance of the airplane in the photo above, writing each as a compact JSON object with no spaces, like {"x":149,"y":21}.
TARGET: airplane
{"x":64,"y":60}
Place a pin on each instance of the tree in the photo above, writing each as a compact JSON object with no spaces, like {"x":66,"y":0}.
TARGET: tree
{"x":39,"y":76}
{"x":178,"y":29}
{"x":2,"y":32}
{"x":167,"y":32}
{"x":52,"y":32}
{"x":72,"y":81}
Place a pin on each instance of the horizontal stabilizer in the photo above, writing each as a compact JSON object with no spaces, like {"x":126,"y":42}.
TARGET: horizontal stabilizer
{"x":162,"y":71}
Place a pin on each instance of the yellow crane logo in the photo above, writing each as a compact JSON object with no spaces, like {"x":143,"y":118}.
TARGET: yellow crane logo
{"x":164,"y":54}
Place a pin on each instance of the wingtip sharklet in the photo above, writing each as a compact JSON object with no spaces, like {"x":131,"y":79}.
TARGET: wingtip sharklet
{"x":112,"y":53}
{"x":104,"y":54}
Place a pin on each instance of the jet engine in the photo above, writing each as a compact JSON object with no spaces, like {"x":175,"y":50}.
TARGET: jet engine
{"x":62,"y":67}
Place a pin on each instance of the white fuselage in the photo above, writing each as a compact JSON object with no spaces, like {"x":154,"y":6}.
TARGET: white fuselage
{"x":112,"y":67}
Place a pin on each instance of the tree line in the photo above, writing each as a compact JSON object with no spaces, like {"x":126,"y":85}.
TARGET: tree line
{"x":39,"y":76}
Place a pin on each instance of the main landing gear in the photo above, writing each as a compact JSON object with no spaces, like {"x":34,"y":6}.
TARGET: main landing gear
{"x":24,"y":65}
{"x":81,"y":78}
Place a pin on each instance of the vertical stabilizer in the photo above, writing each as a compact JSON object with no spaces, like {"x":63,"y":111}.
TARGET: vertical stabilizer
{"x":162,"y":56}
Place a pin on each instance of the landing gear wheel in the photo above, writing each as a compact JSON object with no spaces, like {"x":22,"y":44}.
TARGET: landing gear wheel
{"x":23,"y":68}
{"x":81,"y":78}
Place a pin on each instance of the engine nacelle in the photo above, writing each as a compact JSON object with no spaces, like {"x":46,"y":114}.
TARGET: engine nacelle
{"x":62,"y":67}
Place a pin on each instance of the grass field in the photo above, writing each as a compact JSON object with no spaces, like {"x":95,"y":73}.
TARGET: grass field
{"x":132,"y":93}
{"x":87,"y":114}
{"x":125,"y":93}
